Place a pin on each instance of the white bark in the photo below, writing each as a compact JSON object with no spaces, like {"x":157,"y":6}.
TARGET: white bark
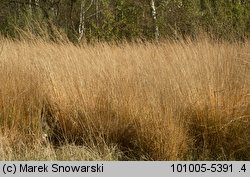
{"x":81,"y":28}
{"x":97,"y":12}
{"x":154,"y":16}
{"x":30,"y":2}
{"x":36,"y":2}
{"x":30,"y":6}
{"x":83,"y":10}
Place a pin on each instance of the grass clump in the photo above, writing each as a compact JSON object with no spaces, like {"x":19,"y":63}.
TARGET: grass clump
{"x":186,"y":100}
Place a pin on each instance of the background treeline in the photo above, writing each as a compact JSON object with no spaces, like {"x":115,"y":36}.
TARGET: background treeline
{"x":102,"y":20}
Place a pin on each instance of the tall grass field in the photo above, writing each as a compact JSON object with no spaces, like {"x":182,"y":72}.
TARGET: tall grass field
{"x":185,"y":100}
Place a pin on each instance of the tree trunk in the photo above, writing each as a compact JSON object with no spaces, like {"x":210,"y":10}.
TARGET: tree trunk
{"x":30,"y":7}
{"x":97,"y":13}
{"x":81,"y":28}
{"x":154,"y":16}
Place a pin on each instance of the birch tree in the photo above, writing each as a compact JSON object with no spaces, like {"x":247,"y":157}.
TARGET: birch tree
{"x":81,"y":28}
{"x":154,"y":16}
{"x":30,"y":5}
{"x":97,"y":12}
{"x":83,"y":10}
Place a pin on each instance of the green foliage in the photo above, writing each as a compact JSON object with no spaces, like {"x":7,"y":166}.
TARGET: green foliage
{"x":226,"y":19}
{"x":106,"y":20}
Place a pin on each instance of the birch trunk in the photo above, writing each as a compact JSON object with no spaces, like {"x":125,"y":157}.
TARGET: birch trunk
{"x":30,"y":6}
{"x":81,"y":28}
{"x":154,"y":16}
{"x":97,"y":13}
{"x":83,"y":11}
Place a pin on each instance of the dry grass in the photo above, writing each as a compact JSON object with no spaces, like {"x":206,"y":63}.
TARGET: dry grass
{"x":167,"y":101}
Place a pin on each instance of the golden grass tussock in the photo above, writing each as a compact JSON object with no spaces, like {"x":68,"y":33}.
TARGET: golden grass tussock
{"x":185,"y":100}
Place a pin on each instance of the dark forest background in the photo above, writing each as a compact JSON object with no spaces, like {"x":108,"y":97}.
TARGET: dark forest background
{"x":108,"y":20}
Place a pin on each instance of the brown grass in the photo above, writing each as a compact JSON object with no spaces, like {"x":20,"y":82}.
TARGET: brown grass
{"x":167,"y":101}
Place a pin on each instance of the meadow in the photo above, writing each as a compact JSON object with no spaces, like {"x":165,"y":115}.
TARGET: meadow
{"x":171,"y":100}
